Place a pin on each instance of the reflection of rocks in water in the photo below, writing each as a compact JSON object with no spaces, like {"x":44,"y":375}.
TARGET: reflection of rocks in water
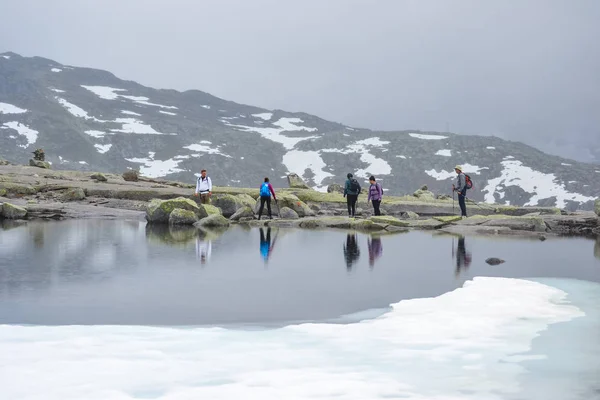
{"x":8,"y":224}
{"x":597,"y":248}
{"x":494,"y":261}
{"x":171,"y":235}
{"x":37,"y":232}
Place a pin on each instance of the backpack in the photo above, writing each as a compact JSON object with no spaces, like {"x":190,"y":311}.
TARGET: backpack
{"x":468,"y":182}
{"x":354,"y":186}
{"x":264,"y":190}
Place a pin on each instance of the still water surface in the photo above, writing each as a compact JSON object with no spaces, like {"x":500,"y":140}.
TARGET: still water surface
{"x":128,"y":273}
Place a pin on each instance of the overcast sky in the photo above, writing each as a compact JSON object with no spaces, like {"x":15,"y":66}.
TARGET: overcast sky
{"x":523,"y":70}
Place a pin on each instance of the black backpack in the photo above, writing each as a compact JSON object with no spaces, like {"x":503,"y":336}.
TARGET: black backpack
{"x":354,"y":186}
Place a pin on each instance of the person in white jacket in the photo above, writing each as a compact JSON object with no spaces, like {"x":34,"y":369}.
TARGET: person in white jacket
{"x":203,"y":187}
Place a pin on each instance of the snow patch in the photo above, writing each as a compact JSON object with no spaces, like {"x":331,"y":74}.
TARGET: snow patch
{"x":460,"y":345}
{"x":444,"y":152}
{"x":404,"y":157}
{"x":95,"y":134}
{"x":565,"y":164}
{"x":132,"y":125}
{"x":56,"y":70}
{"x":275,"y":134}
{"x":376,"y":166}
{"x":205,"y":106}
{"x":102,"y":148}
{"x":491,"y":148}
{"x":350,"y":129}
{"x":57,"y":90}
{"x":427,"y":137}
{"x":156,"y":168}
{"x":540,"y":185}
{"x":444,"y":175}
{"x":109,"y":93}
{"x":297,"y":161}
{"x":264,"y":116}
{"x":82,"y":162}
{"x":76,"y":111}
{"x":6,"y":57}
{"x":130,"y":113}
{"x":6,"y":108}
{"x":205,"y":147}
{"x":30,"y":135}
{"x":166,"y":112}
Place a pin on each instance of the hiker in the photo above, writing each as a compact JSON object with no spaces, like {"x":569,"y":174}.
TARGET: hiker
{"x":351,"y":250}
{"x":461,"y":188}
{"x":375,"y":195}
{"x":266,"y":246}
{"x":266,"y":189}
{"x":351,"y":191}
{"x":204,"y":187}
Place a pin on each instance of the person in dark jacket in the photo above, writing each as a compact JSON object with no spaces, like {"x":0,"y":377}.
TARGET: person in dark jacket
{"x":461,"y":189}
{"x":351,"y":191}
{"x":375,"y":195}
{"x":266,"y":190}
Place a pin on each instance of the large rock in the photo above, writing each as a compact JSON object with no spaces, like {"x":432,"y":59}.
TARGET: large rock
{"x":288,"y":213}
{"x":389,"y":221}
{"x":160,"y":210}
{"x":535,"y":224}
{"x":424,"y":195}
{"x":242,"y":213}
{"x":410,"y":215}
{"x":597,"y":207}
{"x":295,"y":182}
{"x":180,"y":216}
{"x":247,"y":200}
{"x":213,"y":221}
{"x":335,"y":188}
{"x":293,"y":202}
{"x":39,"y":164}
{"x":131,"y":176}
{"x":228,"y":204}
{"x":74,"y":194}
{"x":212,"y":210}
{"x":10,"y":211}
{"x":99,"y":177}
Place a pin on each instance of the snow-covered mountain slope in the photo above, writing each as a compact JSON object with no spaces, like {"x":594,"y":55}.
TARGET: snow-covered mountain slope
{"x":89,"y":119}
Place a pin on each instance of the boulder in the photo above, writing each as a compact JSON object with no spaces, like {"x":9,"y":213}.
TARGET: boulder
{"x":410,"y":215}
{"x":73,"y":194}
{"x":424,"y":194}
{"x":160,"y":210}
{"x":4,"y":162}
{"x":293,"y":202}
{"x":535,"y":224}
{"x":212,"y":210}
{"x":99,"y":177}
{"x":335,"y":188}
{"x":228,"y":204}
{"x":288,"y":213}
{"x":242,"y":214}
{"x":131,"y":175}
{"x":443,"y":197}
{"x":597,"y":207}
{"x":424,"y":188}
{"x":295,"y":182}
{"x":389,"y":221}
{"x":213,"y":221}
{"x":10,"y":211}
{"x":2,"y":192}
{"x":247,"y":200}
{"x":494,"y":261}
{"x":39,"y":164}
{"x":180,"y":216}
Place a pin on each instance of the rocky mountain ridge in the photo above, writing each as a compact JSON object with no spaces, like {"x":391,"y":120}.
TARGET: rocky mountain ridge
{"x":90,"y":120}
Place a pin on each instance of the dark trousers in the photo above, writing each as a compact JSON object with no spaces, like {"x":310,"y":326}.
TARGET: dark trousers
{"x":263,"y":200}
{"x":351,"y":200}
{"x":463,"y":206}
{"x":376,"y":204}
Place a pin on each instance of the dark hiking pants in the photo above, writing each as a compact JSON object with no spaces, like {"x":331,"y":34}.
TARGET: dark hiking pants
{"x":351,"y":200}
{"x":463,"y":206}
{"x":376,"y":204}
{"x":263,"y":200}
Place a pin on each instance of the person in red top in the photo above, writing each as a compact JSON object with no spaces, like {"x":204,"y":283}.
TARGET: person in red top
{"x":266,"y":189}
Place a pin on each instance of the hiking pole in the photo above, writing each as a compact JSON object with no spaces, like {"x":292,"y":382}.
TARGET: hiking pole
{"x":453,"y":212}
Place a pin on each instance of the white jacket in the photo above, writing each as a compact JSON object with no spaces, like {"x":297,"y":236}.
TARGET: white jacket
{"x":203,"y":185}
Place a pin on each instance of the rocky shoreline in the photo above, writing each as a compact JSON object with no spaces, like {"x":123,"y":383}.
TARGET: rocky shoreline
{"x":33,"y":193}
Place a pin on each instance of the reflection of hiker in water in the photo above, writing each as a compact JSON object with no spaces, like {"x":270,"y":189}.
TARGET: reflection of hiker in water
{"x":203,"y":250}
{"x":351,"y":250}
{"x":375,"y":249}
{"x":463,"y":259}
{"x":266,"y":247}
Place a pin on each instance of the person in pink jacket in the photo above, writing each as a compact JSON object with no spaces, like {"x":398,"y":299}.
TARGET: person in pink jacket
{"x":375,"y":195}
